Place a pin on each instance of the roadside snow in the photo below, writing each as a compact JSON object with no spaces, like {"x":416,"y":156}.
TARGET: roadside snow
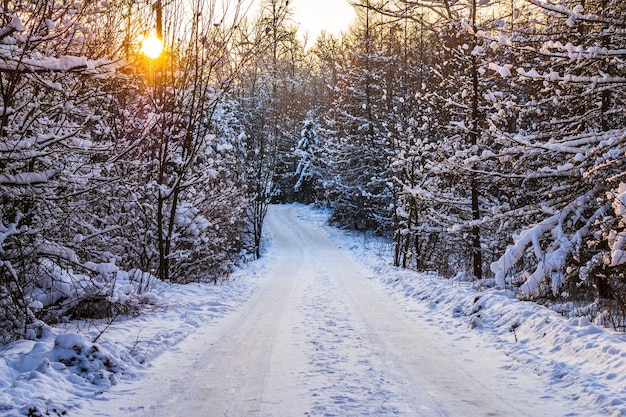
{"x":63,"y":372}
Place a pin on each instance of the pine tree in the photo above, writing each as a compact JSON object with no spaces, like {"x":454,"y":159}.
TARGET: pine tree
{"x":309,"y":170}
{"x":359,"y":171}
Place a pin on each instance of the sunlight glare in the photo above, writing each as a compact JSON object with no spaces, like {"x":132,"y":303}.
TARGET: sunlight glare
{"x":152,"y":46}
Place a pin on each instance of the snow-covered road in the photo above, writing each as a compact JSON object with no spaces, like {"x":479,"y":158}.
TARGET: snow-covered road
{"x":321,"y":338}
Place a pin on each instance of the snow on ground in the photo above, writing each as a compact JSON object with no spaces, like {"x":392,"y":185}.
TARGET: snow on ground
{"x":54,"y":374}
{"x":566,"y":351}
{"x":63,"y":372}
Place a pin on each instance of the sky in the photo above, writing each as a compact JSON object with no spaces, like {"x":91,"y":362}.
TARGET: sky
{"x":314,"y":16}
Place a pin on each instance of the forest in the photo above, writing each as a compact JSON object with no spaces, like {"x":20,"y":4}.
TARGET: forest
{"x":485,"y":139}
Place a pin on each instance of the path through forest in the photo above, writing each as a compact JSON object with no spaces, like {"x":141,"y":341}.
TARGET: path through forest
{"x":321,"y":338}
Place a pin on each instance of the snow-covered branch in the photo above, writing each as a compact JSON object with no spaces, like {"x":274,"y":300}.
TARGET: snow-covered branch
{"x":550,"y":262}
{"x":576,"y":14}
{"x":27,"y":178}
{"x":45,"y":64}
{"x":554,"y":76}
{"x":14,"y":26}
{"x":10,"y":230}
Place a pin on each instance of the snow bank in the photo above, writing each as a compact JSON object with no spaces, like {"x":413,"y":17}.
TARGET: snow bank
{"x":36,"y":376}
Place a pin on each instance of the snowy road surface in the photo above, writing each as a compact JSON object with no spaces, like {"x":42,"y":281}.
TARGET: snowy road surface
{"x":321,"y":338}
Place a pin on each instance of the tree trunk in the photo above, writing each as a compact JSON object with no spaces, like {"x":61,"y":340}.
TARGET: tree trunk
{"x":476,"y":246}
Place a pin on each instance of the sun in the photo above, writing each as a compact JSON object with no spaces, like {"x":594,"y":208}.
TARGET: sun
{"x":152,"y":46}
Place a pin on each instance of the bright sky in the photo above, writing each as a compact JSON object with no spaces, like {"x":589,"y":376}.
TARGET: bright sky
{"x":313,"y":16}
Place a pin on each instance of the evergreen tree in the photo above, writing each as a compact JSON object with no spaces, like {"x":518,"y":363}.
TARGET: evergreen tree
{"x":309,"y":171}
{"x":359,"y":156}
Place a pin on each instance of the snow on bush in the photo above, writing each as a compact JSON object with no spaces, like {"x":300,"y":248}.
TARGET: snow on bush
{"x":53,"y":366}
{"x":56,"y":294}
{"x":550,"y":263}
{"x":56,"y":373}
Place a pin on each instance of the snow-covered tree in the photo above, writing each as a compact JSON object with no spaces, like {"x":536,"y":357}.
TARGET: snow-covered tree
{"x":359,"y":170}
{"x":309,"y":170}
{"x":452,"y":189}
{"x":410,"y":123}
{"x":191,"y":159}
{"x":53,"y":82}
{"x":565,"y":138}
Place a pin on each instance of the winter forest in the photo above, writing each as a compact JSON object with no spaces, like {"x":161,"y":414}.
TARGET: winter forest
{"x":484,"y":139}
